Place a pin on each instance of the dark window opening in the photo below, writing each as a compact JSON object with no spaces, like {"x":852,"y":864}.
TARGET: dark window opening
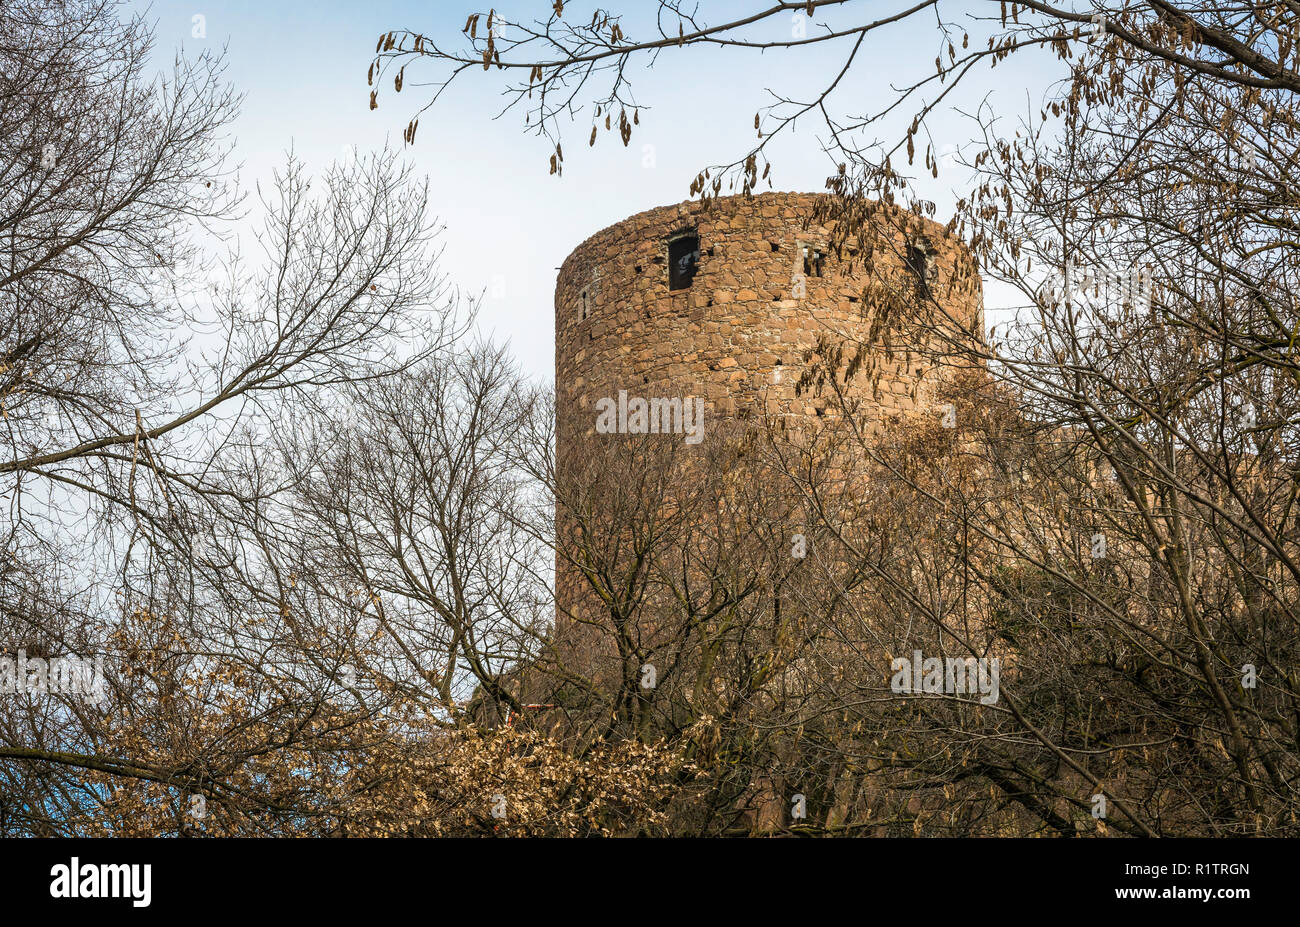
{"x":812,"y":261}
{"x":776,"y":246}
{"x":683,"y":260}
{"x":584,"y":307}
{"x":921,"y":263}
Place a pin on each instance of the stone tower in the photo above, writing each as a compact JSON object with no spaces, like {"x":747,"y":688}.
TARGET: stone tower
{"x":724,"y":302}
{"x":730,"y":302}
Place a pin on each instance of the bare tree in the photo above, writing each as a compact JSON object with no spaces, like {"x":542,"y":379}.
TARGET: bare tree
{"x":560,"y":70}
{"x":137,"y":405}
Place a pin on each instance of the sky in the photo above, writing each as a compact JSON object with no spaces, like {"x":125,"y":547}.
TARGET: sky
{"x":509,"y":224}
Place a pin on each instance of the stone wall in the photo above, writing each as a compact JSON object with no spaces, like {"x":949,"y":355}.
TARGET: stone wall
{"x":741,"y":333}
{"x":750,"y":334}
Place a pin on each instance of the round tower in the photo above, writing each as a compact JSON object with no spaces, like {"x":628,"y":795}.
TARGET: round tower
{"x":727,"y":301}
{"x":738,"y":310}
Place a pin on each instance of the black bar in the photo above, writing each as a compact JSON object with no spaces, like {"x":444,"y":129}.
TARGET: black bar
{"x":337,"y":877}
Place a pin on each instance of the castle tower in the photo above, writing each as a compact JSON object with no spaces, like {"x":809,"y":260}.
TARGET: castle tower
{"x":725,"y":301}
{"x":731,"y":302}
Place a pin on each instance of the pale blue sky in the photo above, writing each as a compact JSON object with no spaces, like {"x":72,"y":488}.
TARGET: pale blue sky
{"x":302,"y":66}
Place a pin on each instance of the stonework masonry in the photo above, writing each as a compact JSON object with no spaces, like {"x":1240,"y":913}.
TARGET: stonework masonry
{"x":768,"y":288}
{"x":739,"y":333}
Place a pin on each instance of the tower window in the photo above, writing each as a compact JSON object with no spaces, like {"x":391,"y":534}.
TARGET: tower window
{"x":683,"y":259}
{"x":584,"y":307}
{"x":921,"y":263}
{"x":812,"y":261}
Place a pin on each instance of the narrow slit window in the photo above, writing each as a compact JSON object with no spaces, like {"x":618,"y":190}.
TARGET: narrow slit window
{"x":584,"y":307}
{"x":683,"y":259}
{"x":921,"y":263}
